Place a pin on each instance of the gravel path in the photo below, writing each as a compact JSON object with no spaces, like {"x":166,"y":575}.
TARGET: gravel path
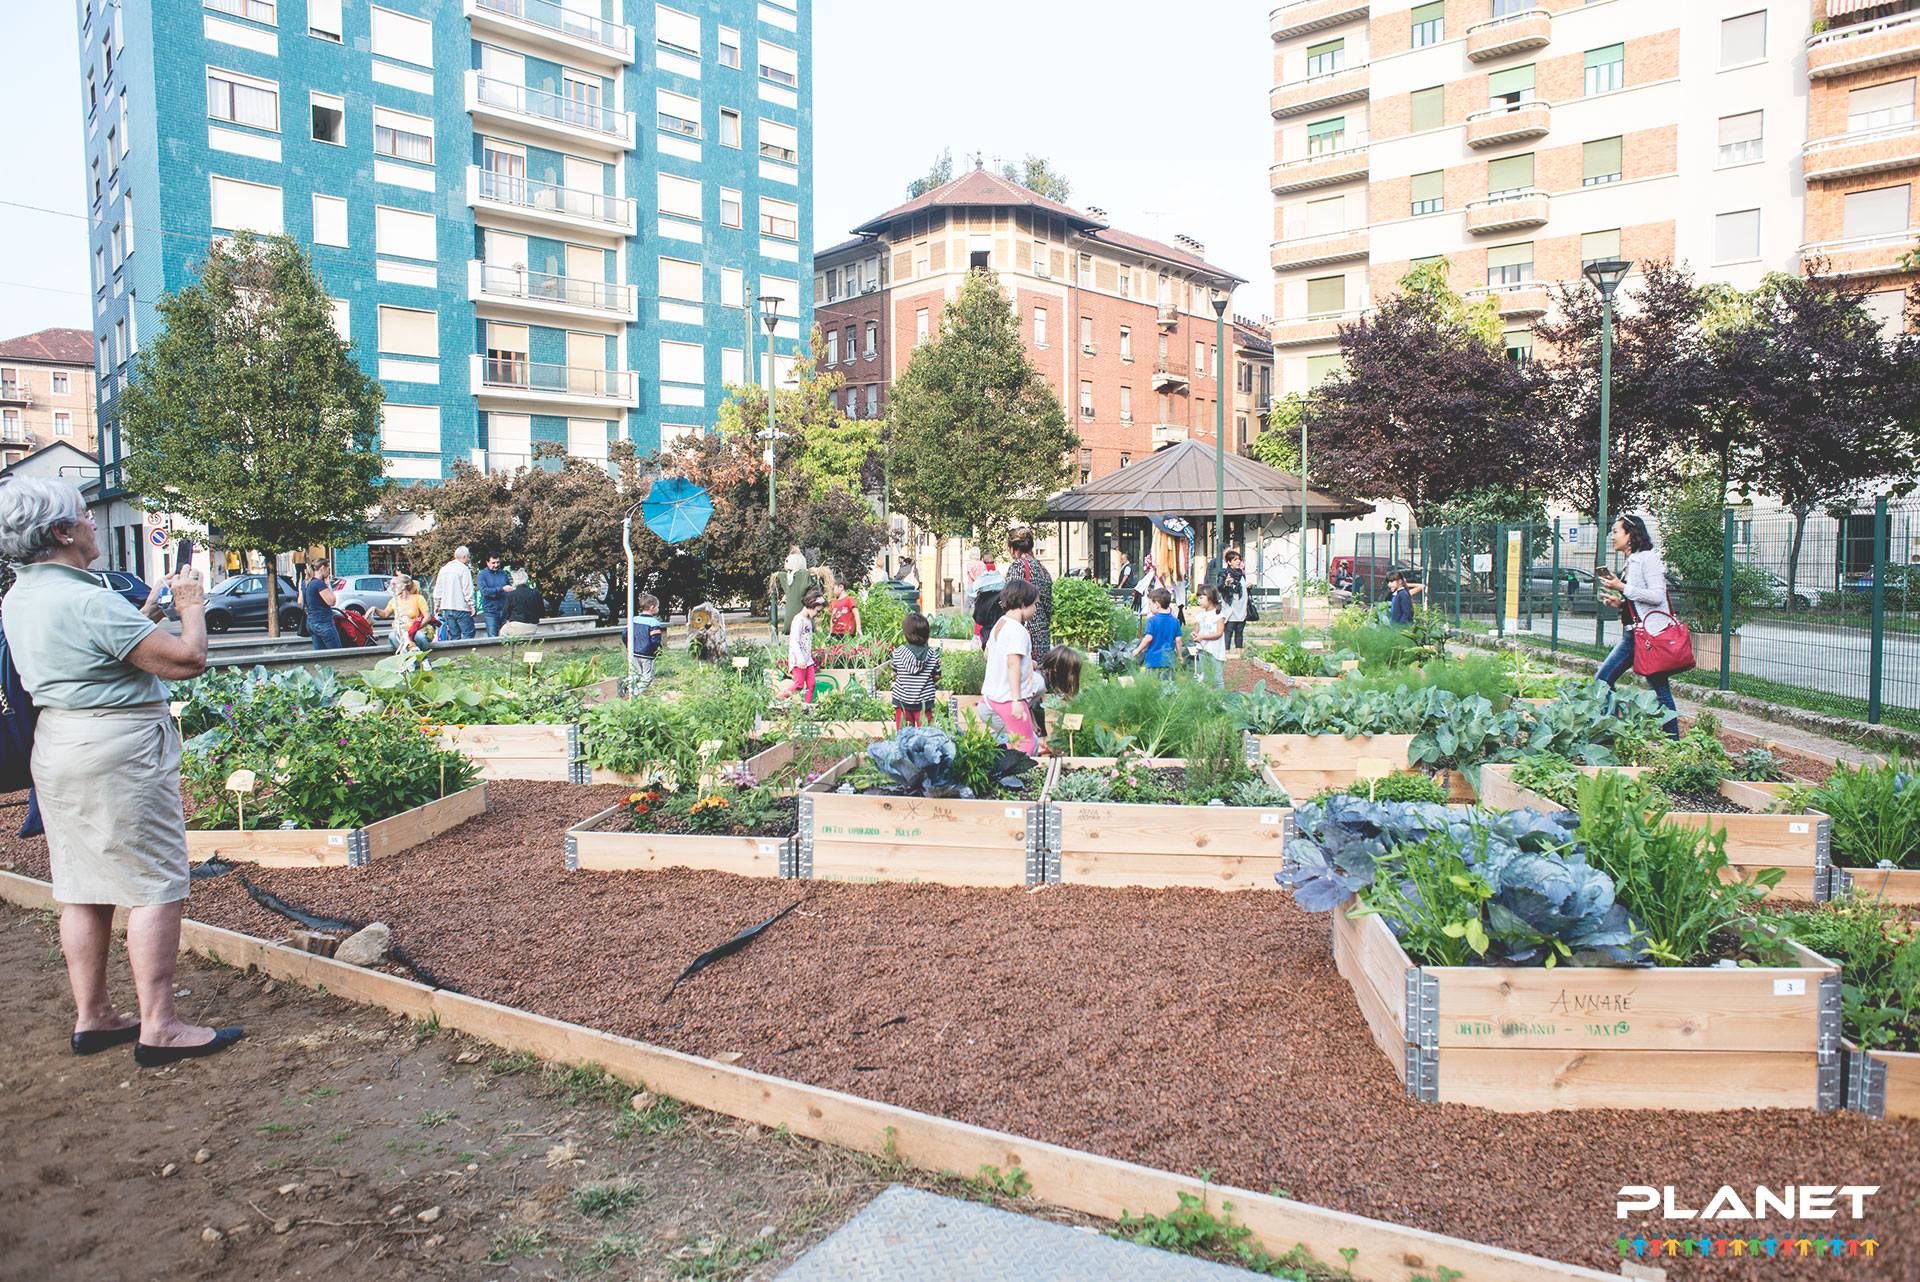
{"x":1189,"y":1029}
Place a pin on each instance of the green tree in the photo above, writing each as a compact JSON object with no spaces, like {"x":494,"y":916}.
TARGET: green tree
{"x":247,"y":414}
{"x":1039,"y":177}
{"x":979,"y":438}
{"x":1278,"y":444}
{"x":938,"y":174}
{"x":1691,"y":509}
{"x":832,"y":448}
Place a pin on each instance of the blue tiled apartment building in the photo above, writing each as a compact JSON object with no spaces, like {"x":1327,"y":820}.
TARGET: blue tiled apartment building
{"x":538,"y":220}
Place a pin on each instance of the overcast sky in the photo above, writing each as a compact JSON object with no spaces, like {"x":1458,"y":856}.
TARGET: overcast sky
{"x":1156,"y":113}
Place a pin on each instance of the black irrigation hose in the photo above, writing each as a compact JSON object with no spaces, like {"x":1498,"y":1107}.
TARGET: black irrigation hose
{"x":729,"y":948}
{"x":273,"y":903}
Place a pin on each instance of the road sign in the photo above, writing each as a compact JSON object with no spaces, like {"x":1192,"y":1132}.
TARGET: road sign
{"x":1573,"y":534}
{"x":157,"y":537}
{"x":156,"y":518}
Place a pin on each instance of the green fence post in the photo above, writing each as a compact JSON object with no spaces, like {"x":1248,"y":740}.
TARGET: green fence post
{"x":1456,"y":574}
{"x":1726,"y":604}
{"x":1555,"y":644}
{"x":1878,"y":641}
{"x":1497,"y":579}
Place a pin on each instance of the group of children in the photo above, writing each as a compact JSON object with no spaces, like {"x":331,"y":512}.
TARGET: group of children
{"x":1161,"y":636}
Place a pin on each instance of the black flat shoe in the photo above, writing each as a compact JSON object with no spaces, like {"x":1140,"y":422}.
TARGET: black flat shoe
{"x":154,"y":1056}
{"x":96,"y":1040}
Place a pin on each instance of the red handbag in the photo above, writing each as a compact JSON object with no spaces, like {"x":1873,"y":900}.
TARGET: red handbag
{"x":1664,"y":655}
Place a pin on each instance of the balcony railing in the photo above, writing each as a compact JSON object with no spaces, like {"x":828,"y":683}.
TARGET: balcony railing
{"x":1863,"y":46}
{"x":538,"y":104}
{"x":1508,"y":121}
{"x":1527,"y":207}
{"x":14,"y":393}
{"x":494,"y":281}
{"x":1312,"y":250}
{"x":550,"y":198}
{"x":1321,"y":327}
{"x":1343,"y":84}
{"x":1864,"y":151}
{"x":516,"y":375}
{"x":558,"y":18}
{"x":1528,"y":29}
{"x":1862,"y":255}
{"x":1515,"y":298}
{"x":1347,"y":159}
{"x":1301,"y":16}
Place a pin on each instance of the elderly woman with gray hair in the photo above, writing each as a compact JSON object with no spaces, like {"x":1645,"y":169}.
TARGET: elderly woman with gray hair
{"x":106,"y":763}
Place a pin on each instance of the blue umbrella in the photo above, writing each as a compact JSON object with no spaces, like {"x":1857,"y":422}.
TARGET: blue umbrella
{"x":676,"y":509}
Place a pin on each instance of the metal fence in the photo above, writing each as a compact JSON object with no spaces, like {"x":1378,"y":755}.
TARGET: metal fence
{"x":1825,"y":611}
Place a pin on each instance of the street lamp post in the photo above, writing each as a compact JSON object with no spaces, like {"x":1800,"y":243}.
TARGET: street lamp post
{"x":1301,"y":595}
{"x":1220,"y":301}
{"x":1606,"y":276}
{"x":770,"y":316}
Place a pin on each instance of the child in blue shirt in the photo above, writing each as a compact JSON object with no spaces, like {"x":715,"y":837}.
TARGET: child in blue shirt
{"x":1160,"y":639}
{"x":648,"y":632}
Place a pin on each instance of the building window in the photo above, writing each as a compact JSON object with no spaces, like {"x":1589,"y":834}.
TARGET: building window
{"x":1086,"y":334}
{"x":729,"y":47}
{"x":1322,"y":368}
{"x":873,"y":400}
{"x":402,"y":136}
{"x":920,"y":327}
{"x":679,"y":197}
{"x":1510,"y":264}
{"x":62,"y":423}
{"x":241,"y":100}
{"x":1429,"y":107}
{"x":1606,"y":69}
{"x":680,"y":280}
{"x":1878,"y":106}
{"x":1506,"y":8}
{"x":1510,"y":174}
{"x":833,"y":343}
{"x":1599,"y":246}
{"x":873,"y":338}
{"x":779,"y":142}
{"x":1126,"y":282}
{"x":779,"y":219}
{"x":1429,"y":192}
{"x":1039,"y":258}
{"x":1126,"y":460}
{"x":1518,"y":344}
{"x":1200,"y":365}
{"x":1126,"y":404}
{"x":1743,"y":39}
{"x":1126,"y":342}
{"x":1601,"y":161}
{"x":729,"y":207}
{"x":779,"y":65}
{"x":400,"y":36}
{"x":330,"y":220}
{"x":1326,"y":136}
{"x":323,"y":19}
{"x":62,"y":383}
{"x":1086,"y":399}
{"x":329,"y":119}
{"x":674,"y":31}
{"x":1511,"y":87}
{"x":1085,"y":262}
{"x":1039,"y":327}
{"x":677,"y":113}
{"x":256,"y":10}
{"x":1883,"y":211}
{"x":1740,"y":138}
{"x":1326,"y":57}
{"x":1736,"y":236}
{"x":1429,"y":23}
{"x":729,"y":127}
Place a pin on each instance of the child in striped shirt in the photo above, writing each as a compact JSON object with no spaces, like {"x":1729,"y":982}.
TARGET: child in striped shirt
{"x":916,"y":673}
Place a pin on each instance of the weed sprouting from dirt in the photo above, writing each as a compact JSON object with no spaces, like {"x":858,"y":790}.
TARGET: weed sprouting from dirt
{"x":583,"y":1084}
{"x":425,"y":1030}
{"x":656,"y":1115}
{"x":1193,"y":1229}
{"x":436,"y":1117}
{"x":339,"y":1137}
{"x":720,"y":1259}
{"x":598,"y":1201}
{"x":516,"y":1242}
{"x":274,"y":1130}
{"x":605,"y":1252}
{"x":513,"y":1065}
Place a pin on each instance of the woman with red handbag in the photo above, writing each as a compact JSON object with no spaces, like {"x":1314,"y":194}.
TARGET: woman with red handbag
{"x":1653,"y":643}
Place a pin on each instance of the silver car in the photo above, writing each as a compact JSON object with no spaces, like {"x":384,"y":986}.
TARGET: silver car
{"x":361,"y":593}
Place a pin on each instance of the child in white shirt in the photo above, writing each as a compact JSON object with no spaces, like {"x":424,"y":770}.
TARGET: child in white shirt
{"x":1209,"y":636}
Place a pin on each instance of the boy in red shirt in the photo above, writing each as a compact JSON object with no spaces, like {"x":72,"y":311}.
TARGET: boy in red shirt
{"x":843,"y":616}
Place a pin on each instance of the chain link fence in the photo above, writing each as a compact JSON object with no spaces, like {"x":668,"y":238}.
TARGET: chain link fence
{"x":1820,"y":612}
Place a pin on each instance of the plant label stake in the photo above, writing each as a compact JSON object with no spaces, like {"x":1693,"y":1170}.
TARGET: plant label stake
{"x":740,"y":663}
{"x":177,"y":707}
{"x":1349,"y":665}
{"x":1070,"y":723}
{"x":1372,"y":769}
{"x":1313,"y":644}
{"x":240,"y":783}
{"x":1126,"y":681}
{"x":532,"y":657}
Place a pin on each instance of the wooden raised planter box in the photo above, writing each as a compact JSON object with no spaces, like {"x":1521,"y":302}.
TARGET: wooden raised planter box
{"x":1528,"y":1039}
{"x":954,"y":842}
{"x":1123,"y":844}
{"x":338,"y":847}
{"x":544,"y":753}
{"x":1306,"y":764}
{"x":1893,"y":885}
{"x":1883,"y":1084}
{"x":1798,"y":845}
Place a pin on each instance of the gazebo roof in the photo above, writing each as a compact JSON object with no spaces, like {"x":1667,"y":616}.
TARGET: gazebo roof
{"x":1178,"y":481}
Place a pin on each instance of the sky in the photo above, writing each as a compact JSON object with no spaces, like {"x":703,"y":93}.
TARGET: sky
{"x":1155,"y":113}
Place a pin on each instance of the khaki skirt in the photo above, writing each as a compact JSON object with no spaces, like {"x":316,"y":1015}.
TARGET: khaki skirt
{"x":109,"y":786}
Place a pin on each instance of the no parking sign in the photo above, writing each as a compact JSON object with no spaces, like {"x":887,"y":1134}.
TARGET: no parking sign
{"x":158,"y":537}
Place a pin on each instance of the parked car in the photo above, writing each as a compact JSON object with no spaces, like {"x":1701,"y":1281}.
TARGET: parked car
{"x":241,"y":602}
{"x":1575,"y":588}
{"x":1803,"y":596}
{"x":125,"y":584}
{"x":359,"y":593}
{"x":573,"y":605}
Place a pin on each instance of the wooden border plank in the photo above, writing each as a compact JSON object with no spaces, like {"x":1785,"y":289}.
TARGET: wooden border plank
{"x":1510,"y":1080}
{"x":1893,"y":885}
{"x":539,"y":752}
{"x":1069,"y":1178}
{"x":424,"y":823}
{"x":272,"y":847}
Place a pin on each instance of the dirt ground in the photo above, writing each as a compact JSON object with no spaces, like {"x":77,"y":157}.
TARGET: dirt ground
{"x":341,"y":1143}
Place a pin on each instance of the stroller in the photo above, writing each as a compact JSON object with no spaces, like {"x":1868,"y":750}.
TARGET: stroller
{"x":706,"y":632}
{"x":355,"y":629}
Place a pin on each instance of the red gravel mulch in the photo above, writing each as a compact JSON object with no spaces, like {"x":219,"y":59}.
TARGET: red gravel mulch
{"x":1191,"y":1030}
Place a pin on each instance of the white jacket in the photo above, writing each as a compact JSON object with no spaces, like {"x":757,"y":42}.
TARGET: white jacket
{"x":1646,"y":587}
{"x":453,"y":588}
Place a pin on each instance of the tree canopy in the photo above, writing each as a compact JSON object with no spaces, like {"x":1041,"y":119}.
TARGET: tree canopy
{"x":938,"y":174}
{"x":1038,"y":176}
{"x":979,"y":438}
{"x":832,"y":450}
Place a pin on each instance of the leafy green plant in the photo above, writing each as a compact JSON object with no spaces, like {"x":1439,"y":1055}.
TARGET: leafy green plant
{"x":1433,"y":899}
{"x":1756,"y":765}
{"x":1082,"y":614}
{"x":977,"y":750}
{"x":1551,"y":776}
{"x":953,"y":626}
{"x":1257,"y":792}
{"x":1216,"y":762}
{"x":1875,"y":811}
{"x":1401,"y":785}
{"x":262,"y":698}
{"x":1083,"y":785}
{"x":1291,"y":655}
{"x":463,"y":696}
{"x":642,"y":736}
{"x":1692,"y":765}
{"x":881,"y":613}
{"x":1125,"y":624}
{"x":851,"y":702}
{"x":963,"y":671}
{"x":1878,"y":948}
{"x":1160,"y":716}
{"x":1192,"y":1229}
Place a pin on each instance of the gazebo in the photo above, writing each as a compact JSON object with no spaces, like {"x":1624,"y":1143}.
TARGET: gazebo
{"x":1178,"y":481}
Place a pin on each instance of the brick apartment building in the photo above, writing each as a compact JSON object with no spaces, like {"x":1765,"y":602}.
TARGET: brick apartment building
{"x":46,"y":393}
{"x":1121,"y":326}
{"x":1252,"y":381}
{"x":1521,"y":139}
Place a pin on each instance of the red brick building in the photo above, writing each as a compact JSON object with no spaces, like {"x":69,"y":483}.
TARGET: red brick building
{"x":1121,"y":326}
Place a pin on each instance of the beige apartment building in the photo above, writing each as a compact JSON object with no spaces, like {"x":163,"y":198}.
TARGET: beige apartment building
{"x":46,"y":393}
{"x":1522,"y":139}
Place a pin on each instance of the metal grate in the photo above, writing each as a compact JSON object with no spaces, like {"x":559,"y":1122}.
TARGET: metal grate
{"x":802,"y":862}
{"x":1832,"y":1090}
{"x":573,"y":853}
{"x":359,"y":848}
{"x":1423,"y":1034}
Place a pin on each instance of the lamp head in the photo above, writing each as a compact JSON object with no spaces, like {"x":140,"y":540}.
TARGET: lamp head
{"x":1607,"y":274}
{"x":1220,"y":300}
{"x":770,"y":311}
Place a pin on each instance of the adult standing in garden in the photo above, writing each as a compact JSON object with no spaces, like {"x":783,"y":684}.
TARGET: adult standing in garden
{"x":106,"y":764}
{"x":796,"y":579}
{"x":316,"y":601}
{"x":1233,"y":599}
{"x":1123,"y":574}
{"x":1644,"y":602}
{"x":493,"y":582}
{"x":524,"y":608}
{"x":453,"y":596}
{"x":1027,"y":569}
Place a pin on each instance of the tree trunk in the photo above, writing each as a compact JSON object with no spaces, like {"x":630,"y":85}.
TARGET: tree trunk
{"x":1793,"y":554}
{"x":939,"y":567}
{"x":273,"y":594}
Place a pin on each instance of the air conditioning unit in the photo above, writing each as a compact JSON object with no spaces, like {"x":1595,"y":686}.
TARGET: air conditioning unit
{"x":1090,"y":349}
{"x":871,"y":287}
{"x":1040,"y":269}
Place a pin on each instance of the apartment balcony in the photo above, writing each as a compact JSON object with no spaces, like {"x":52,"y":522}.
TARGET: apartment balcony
{"x":553,"y":28}
{"x":1302,"y":16}
{"x":1509,"y":122}
{"x":548,"y":204}
{"x":504,"y":102}
{"x":15,"y":394}
{"x":521,"y":380}
{"x":17,"y":436}
{"x":1170,"y":375}
{"x":1330,"y":89}
{"x":1311,"y":330}
{"x":1521,"y":300}
{"x":1303,"y":173}
{"x":1515,"y":33}
{"x":1862,"y":255}
{"x":550,"y":295}
{"x":1865,"y":151}
{"x":1864,"y":46}
{"x":1166,"y":315}
{"x":1508,"y":211}
{"x":1313,"y":251}
{"x":1168,"y":434}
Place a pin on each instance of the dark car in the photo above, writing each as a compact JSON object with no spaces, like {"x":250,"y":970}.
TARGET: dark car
{"x":129,"y":587}
{"x":1575,"y":589}
{"x":241,"y":602}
